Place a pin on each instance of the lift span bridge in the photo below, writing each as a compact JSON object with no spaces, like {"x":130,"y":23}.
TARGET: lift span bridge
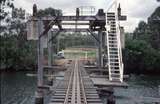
{"x":78,"y":87}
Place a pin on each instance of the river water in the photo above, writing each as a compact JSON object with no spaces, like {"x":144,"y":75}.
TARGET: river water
{"x":17,"y":88}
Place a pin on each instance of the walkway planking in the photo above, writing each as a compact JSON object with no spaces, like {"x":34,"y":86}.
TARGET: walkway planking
{"x":104,"y":82}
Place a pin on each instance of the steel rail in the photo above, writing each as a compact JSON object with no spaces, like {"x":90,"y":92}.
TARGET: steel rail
{"x":73,"y":99}
{"x":69,"y":86}
{"x":76,"y":87}
{"x":83,"y":89}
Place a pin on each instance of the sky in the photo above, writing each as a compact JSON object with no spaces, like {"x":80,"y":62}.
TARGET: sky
{"x":136,"y":10}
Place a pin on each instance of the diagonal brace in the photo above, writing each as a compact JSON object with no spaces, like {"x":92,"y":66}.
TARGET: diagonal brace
{"x":93,"y":35}
{"x":49,"y":26}
{"x":53,"y":37}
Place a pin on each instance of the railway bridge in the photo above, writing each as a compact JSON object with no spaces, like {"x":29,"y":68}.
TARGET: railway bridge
{"x":78,"y":87}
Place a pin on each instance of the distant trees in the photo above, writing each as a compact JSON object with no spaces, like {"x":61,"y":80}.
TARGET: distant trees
{"x":3,"y":13}
{"x":75,"y":40}
{"x":154,"y":25}
{"x":150,"y":31}
{"x":141,"y":57}
{"x":3,"y":5}
{"x":49,"y":12}
{"x":16,"y":52}
{"x":142,"y":31}
{"x":142,"y":53}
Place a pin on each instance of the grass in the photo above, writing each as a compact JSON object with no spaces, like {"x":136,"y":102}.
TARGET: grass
{"x":71,"y":54}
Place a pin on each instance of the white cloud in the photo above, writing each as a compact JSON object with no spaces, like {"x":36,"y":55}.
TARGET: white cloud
{"x":23,"y":4}
{"x":135,"y":10}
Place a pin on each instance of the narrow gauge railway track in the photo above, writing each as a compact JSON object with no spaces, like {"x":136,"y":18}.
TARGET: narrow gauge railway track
{"x":76,"y":88}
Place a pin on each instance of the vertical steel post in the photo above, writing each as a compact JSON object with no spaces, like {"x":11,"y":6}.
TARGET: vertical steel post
{"x":104,"y":42}
{"x":100,"y":61}
{"x":110,"y":96}
{"x":39,"y":93}
{"x":49,"y":43}
{"x":49,"y":48}
{"x":58,"y":44}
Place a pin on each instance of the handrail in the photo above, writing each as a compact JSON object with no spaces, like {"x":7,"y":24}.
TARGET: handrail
{"x":108,"y":54}
{"x":82,"y":86}
{"x":118,"y":46}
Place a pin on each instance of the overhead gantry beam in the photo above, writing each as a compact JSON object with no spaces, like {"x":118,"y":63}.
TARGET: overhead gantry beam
{"x":96,"y":22}
{"x":71,"y":18}
{"x":75,"y":23}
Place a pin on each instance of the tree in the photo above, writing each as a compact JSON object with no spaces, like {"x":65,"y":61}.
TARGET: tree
{"x":154,"y":25}
{"x":17,"y":23}
{"x":150,"y":31}
{"x":49,"y":12}
{"x":16,"y":52}
{"x":141,"y":58}
{"x":3,"y":14}
{"x":3,"y":5}
{"x":142,"y":31}
{"x":142,"y":53}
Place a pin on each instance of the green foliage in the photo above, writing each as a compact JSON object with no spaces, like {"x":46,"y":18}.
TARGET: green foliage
{"x":156,"y":12}
{"x":18,"y":13}
{"x":142,"y":53}
{"x":154,"y":25}
{"x":3,"y":14}
{"x":16,"y":54}
{"x":140,"y":57}
{"x":49,"y":12}
{"x":5,"y":4}
{"x":75,"y":39}
{"x":150,"y":31}
{"x":142,"y":32}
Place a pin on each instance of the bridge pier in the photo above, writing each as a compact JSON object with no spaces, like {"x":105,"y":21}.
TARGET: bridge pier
{"x":39,"y":99}
{"x":108,"y":92}
{"x":111,"y":99}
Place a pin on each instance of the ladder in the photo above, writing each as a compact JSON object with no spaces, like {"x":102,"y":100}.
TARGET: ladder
{"x":115,"y":63}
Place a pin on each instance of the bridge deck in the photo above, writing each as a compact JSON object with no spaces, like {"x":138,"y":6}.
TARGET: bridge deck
{"x":76,"y":87}
{"x":103,"y":82}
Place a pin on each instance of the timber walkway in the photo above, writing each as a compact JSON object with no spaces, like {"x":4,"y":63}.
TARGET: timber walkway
{"x":76,"y":87}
